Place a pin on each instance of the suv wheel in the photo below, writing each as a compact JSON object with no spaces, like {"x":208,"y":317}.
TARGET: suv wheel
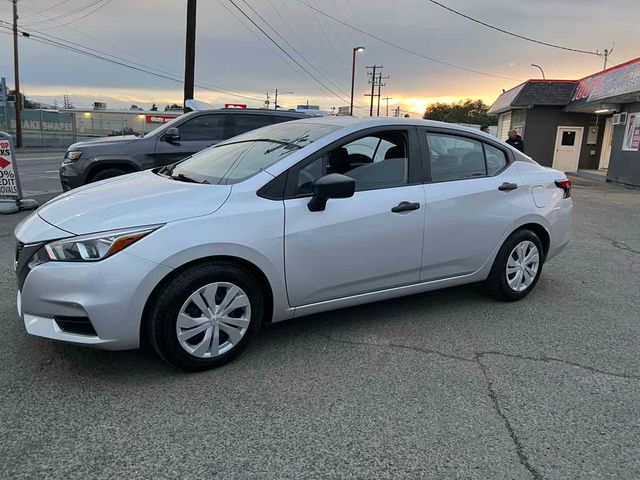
{"x":107,"y":173}
{"x":206,"y":316}
{"x":517,"y":267}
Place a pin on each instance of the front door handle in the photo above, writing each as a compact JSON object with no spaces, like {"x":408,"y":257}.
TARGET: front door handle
{"x":405,"y":207}
{"x":506,"y":186}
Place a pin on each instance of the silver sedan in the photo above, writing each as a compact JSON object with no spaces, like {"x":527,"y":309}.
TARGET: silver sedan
{"x":285,"y":221}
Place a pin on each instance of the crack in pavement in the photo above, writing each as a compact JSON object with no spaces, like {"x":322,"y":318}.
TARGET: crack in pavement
{"x":618,"y":244}
{"x":477,"y":359}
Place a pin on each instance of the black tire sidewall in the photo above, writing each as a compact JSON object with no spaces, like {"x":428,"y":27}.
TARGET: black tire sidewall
{"x":497,"y":281}
{"x":170,"y":299}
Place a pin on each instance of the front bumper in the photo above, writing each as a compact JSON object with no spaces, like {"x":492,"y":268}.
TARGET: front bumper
{"x":71,"y":176}
{"x":110,"y":293}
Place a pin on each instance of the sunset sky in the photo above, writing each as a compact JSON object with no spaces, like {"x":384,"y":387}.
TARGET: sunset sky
{"x":232,"y":55}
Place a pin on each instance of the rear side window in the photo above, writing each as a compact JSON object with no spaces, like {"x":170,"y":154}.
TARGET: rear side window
{"x":203,"y":128}
{"x":455,"y":157}
{"x":496,"y":159}
{"x":245,"y":123}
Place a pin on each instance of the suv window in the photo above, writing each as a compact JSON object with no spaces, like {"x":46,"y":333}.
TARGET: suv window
{"x":245,"y":122}
{"x":374,"y":162}
{"x":203,"y":128}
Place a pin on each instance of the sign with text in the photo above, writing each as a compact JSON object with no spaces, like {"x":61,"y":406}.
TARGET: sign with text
{"x":9,"y":184}
{"x":158,"y":118}
{"x":631,"y":141}
{"x":235,"y":105}
{"x":621,"y":80}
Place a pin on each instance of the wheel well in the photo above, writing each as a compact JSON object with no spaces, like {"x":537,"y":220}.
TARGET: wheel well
{"x":127,"y":167}
{"x":245,"y":264}
{"x":541,"y":232}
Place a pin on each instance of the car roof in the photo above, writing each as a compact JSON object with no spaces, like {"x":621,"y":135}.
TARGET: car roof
{"x":367,"y":122}
{"x":260,"y":111}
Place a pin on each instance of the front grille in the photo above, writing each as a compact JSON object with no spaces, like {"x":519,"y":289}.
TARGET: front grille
{"x":78,"y":325}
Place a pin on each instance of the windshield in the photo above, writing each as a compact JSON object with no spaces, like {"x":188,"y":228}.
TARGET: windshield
{"x":243,"y":156}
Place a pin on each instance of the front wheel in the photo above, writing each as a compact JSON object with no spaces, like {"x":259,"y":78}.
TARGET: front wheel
{"x":206,"y":316}
{"x":517,"y":267}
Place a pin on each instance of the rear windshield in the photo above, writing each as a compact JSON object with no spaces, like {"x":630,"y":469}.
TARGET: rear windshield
{"x":243,"y":156}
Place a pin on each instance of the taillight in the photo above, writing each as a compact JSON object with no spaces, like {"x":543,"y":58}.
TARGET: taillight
{"x":565,"y":185}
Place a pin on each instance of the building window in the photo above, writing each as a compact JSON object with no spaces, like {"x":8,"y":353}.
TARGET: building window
{"x":568,"y":138}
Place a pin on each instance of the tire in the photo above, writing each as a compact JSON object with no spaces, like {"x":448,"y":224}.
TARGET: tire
{"x":210,"y":285}
{"x":504,"y":285}
{"x":107,"y":173}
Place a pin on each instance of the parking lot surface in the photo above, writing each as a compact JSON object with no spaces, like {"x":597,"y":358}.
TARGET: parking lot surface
{"x":448,"y":384}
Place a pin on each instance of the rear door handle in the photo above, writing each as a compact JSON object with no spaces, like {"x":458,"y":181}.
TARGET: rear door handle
{"x":506,"y":186}
{"x":405,"y":207}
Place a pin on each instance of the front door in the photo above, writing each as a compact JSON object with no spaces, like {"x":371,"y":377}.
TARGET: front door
{"x":567,"y":153}
{"x":359,"y":244}
{"x":196,"y":133}
{"x":473,"y":198}
{"x":605,"y":152}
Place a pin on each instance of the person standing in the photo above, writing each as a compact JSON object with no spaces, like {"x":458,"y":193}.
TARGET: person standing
{"x":515,"y":140}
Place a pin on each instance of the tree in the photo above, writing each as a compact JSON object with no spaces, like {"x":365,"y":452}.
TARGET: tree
{"x":172,"y":107}
{"x":134,"y":107}
{"x":26,"y":103}
{"x":463,"y":111}
{"x":154,"y":108}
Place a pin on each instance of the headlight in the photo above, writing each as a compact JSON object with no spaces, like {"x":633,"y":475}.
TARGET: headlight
{"x":91,"y":248}
{"x":73,"y":155}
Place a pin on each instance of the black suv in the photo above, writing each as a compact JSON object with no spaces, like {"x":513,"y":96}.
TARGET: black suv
{"x":94,"y":160}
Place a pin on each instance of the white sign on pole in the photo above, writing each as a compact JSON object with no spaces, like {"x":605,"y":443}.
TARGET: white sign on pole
{"x":10,"y":192}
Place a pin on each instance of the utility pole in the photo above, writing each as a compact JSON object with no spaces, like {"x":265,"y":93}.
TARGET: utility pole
{"x":267,"y":102}
{"x":190,"y":53}
{"x":606,"y":54}
{"x":380,"y":85}
{"x":373,"y":85}
{"x":16,"y":74}
{"x":275,"y":101}
{"x":387,"y":100}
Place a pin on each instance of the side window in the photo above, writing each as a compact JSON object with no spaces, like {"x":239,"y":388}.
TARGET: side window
{"x":245,"y":123}
{"x":496,"y":159}
{"x":454,"y":157}
{"x":374,"y":162}
{"x":203,"y":128}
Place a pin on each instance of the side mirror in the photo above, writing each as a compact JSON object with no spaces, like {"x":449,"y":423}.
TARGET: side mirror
{"x":172,"y":135}
{"x":333,"y":185}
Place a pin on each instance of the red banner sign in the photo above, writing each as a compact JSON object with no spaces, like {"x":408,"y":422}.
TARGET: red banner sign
{"x":158,"y":118}
{"x":235,"y":105}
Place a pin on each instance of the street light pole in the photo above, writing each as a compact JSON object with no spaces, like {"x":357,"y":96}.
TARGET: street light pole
{"x":542,"y":71}
{"x":353,"y":76}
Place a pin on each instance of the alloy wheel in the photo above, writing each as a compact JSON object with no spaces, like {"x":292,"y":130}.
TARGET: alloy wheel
{"x":522,"y":266}
{"x":213,"y":320}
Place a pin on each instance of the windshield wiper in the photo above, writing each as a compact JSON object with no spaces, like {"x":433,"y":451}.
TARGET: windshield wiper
{"x":184,"y":178}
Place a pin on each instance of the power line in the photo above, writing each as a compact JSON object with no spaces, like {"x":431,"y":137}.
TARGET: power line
{"x":148,"y":65}
{"x":107,"y":2}
{"x":292,"y":47}
{"x":70,"y":12}
{"x":507,"y":32}
{"x":47,"y":9}
{"x":287,"y":53}
{"x":93,"y":53}
{"x":400,"y":47}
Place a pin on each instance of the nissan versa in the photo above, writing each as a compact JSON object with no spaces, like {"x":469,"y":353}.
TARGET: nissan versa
{"x":284,"y":221}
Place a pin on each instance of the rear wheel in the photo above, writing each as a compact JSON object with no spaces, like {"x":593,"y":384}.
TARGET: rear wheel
{"x":107,"y":173}
{"x":517,"y":267}
{"x":206,"y":316}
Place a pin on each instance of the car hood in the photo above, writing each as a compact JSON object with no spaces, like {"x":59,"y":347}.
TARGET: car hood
{"x":105,"y":141}
{"x":142,"y":198}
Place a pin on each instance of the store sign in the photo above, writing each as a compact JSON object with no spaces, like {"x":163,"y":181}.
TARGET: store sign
{"x":9,"y":186}
{"x":631,"y":141}
{"x":158,"y":118}
{"x":612,"y":83}
{"x":235,"y":105}
{"x":344,"y":111}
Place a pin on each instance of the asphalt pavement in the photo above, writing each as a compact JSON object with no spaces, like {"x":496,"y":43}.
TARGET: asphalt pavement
{"x":448,"y":384}
{"x":39,"y":172}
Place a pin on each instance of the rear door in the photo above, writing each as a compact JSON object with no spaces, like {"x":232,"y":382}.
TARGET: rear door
{"x":196,"y":133}
{"x":473,"y":194}
{"x":361,"y":244}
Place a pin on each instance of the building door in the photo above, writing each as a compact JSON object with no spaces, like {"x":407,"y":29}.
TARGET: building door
{"x":504,"y":126}
{"x":567,"y":154}
{"x":605,"y":152}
